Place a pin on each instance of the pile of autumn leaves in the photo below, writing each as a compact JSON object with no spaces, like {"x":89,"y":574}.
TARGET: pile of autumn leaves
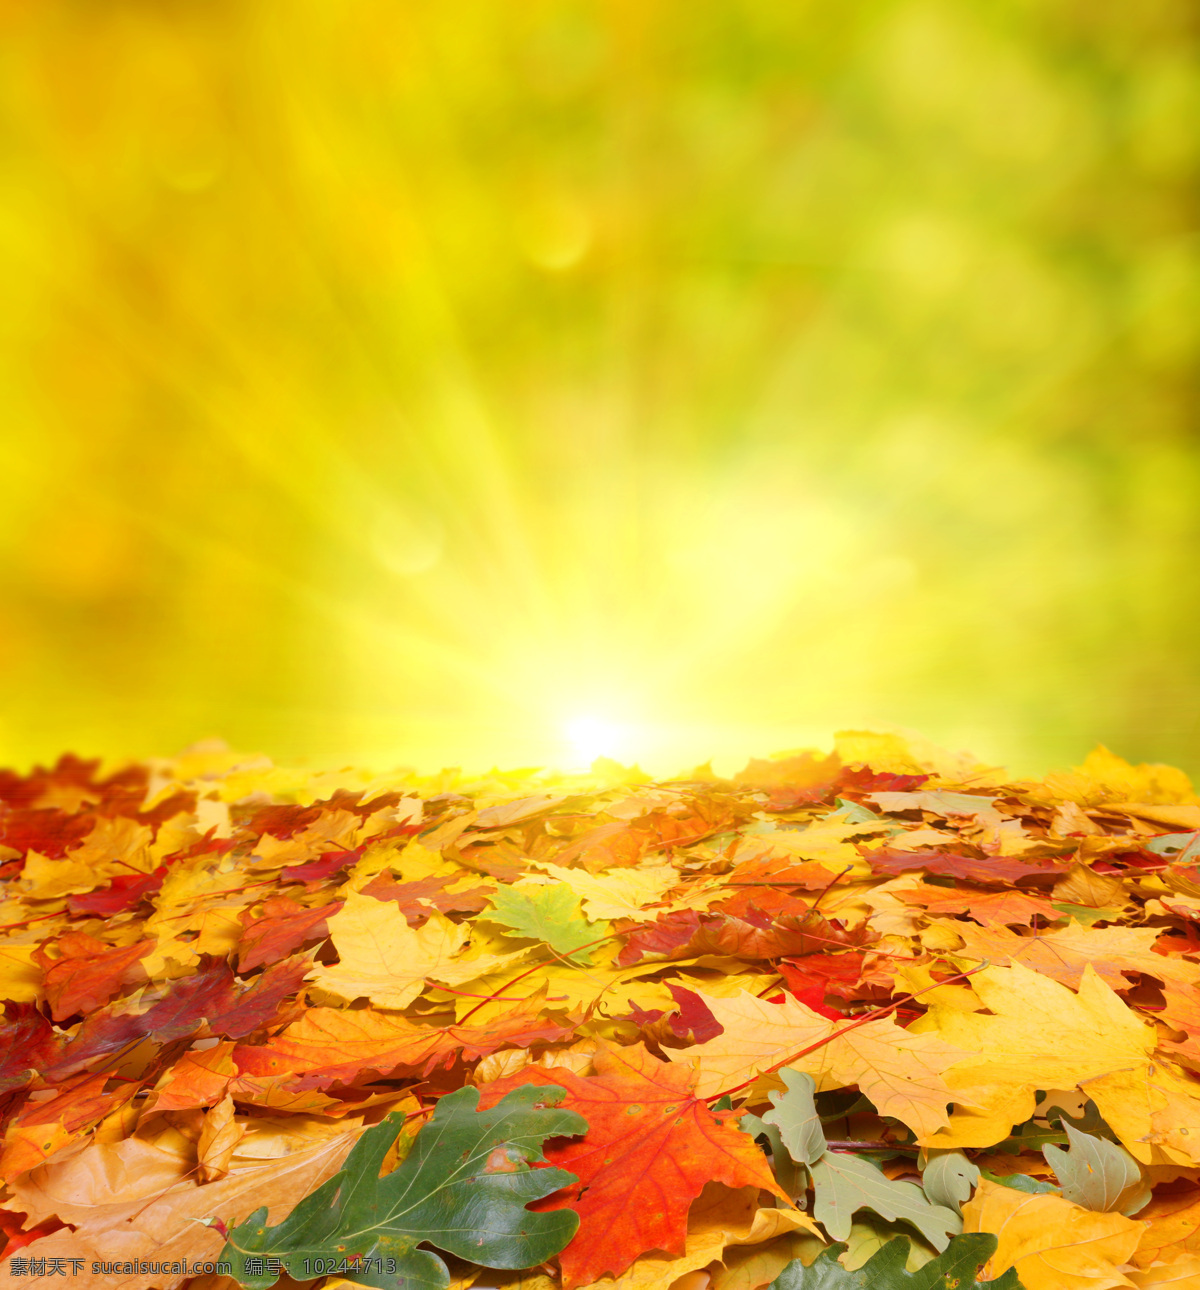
{"x":885,"y":992}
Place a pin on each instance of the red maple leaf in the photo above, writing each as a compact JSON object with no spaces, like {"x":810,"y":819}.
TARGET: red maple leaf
{"x":995,"y":871}
{"x":687,"y":934}
{"x":12,"y":1238}
{"x":322,"y":868}
{"x":694,"y":1020}
{"x":28,"y":1043}
{"x":50,"y":832}
{"x":281,"y":821}
{"x":258,"y":1005}
{"x":207,"y":999}
{"x":87,"y":972}
{"x":836,"y":974}
{"x":650,"y":1148}
{"x":854,"y":781}
{"x":284,"y":926}
{"x":122,"y":894}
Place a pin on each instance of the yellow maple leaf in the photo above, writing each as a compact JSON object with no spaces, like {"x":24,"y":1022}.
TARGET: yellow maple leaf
{"x":48,"y":879}
{"x":388,"y":962}
{"x":616,"y":893}
{"x":1063,"y":954}
{"x":1036,"y":1034}
{"x":900,"y":1072}
{"x":828,"y":842}
{"x":1106,"y":778}
{"x":20,"y":976}
{"x":567,"y":987}
{"x":1053,"y":1244}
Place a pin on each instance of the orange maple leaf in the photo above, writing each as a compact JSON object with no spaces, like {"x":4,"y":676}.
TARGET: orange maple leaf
{"x":650,"y":1148}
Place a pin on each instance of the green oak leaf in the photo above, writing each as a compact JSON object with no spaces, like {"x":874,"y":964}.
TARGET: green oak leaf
{"x":949,"y":1179}
{"x":1098,"y":1174}
{"x":463,"y":1187}
{"x":844,"y":1183}
{"x":955,"y":1268}
{"x":546,"y":912}
{"x":794,"y":1114}
{"x":1021,"y":1182}
{"x":788,"y":1174}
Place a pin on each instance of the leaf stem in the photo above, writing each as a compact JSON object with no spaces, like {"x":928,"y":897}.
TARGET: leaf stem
{"x":835,"y":1034}
{"x":828,"y":887}
{"x":851,"y":1145}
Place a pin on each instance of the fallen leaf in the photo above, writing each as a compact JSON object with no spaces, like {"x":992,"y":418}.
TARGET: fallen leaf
{"x":1050,"y":1242}
{"x":650,"y":1147}
{"x":382,"y":958}
{"x":902,"y":1073}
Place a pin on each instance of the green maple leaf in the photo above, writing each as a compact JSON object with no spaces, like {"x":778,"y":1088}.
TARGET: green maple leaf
{"x":549,"y":913}
{"x":956,"y":1267}
{"x":463,"y":1187}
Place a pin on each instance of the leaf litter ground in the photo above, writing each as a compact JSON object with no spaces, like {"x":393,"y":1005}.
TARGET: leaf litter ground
{"x":882,"y":1017}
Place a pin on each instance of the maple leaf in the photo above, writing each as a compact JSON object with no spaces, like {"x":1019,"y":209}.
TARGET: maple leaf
{"x":283,"y":926}
{"x":902,"y":1073}
{"x":87,"y":972}
{"x":28,"y":1043}
{"x":198,"y":1078}
{"x":258,"y":1005}
{"x":707,"y":927}
{"x":549,"y":914}
{"x":993,"y":871}
{"x":1050,"y":1242}
{"x":1063,"y":955}
{"x":417,"y":899}
{"x":688,"y":934}
{"x":209,"y":998}
{"x":605,"y":846}
{"x":836,"y":974}
{"x":807,"y":773}
{"x":808,"y":875}
{"x":47,"y":832}
{"x":986,"y":907}
{"x":616,"y":893}
{"x":381,"y":957}
{"x":650,"y":1147}
{"x":721,"y":1224}
{"x":40,"y":1129}
{"x":123,"y":893}
{"x":129,"y":1204}
{"x":521,"y":809}
{"x":1037,"y":1034}
{"x":335,"y":1046}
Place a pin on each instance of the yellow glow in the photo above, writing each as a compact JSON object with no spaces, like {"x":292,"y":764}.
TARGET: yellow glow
{"x":592,"y":737}
{"x":472,"y":384}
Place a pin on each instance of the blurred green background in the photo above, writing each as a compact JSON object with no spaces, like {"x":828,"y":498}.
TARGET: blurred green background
{"x":456,"y":383}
